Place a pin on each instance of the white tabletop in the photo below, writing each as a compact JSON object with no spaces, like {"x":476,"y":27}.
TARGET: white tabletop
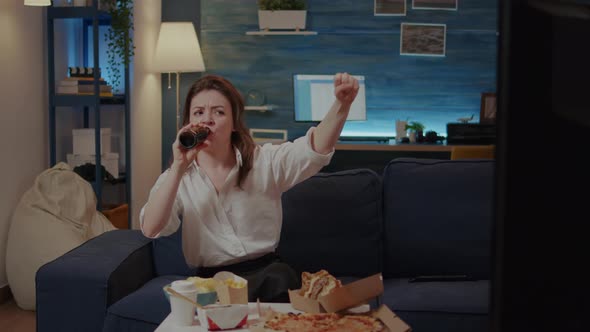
{"x":168,"y":326}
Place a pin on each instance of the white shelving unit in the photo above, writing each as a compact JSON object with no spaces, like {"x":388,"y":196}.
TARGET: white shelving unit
{"x":262,"y":108}
{"x":264,"y":33}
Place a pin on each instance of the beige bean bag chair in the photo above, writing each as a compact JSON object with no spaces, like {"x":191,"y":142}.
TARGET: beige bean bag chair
{"x":57,"y":214}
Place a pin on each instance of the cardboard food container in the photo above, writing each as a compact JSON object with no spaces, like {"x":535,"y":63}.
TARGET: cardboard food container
{"x":345,"y":297}
{"x":216,"y":317}
{"x":229,"y":294}
{"x":390,"y":319}
{"x":350,"y":296}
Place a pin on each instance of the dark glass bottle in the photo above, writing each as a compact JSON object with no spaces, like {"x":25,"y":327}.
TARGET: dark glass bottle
{"x":193,"y":137}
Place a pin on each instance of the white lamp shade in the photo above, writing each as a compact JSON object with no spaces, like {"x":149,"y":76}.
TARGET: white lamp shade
{"x":177,"y":49}
{"x":37,"y":2}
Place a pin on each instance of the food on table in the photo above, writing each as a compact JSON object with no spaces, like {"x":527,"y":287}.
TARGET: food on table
{"x":204,"y":285}
{"x":318,"y":284}
{"x":234,"y":283}
{"x":322,"y":322}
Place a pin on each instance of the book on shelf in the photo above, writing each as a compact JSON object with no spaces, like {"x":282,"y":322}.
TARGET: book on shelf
{"x":82,"y":89}
{"x":67,"y":82}
{"x":80,"y":79}
{"x":102,"y":94}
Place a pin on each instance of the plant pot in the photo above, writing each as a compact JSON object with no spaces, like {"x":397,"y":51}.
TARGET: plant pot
{"x":282,"y":19}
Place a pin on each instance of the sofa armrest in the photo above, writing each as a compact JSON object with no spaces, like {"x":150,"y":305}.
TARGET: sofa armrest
{"x":74,"y":291}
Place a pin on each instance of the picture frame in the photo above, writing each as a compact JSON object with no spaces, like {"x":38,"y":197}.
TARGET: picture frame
{"x":423,"y":39}
{"x":435,"y":4}
{"x":389,"y":8}
{"x":488,"y":109}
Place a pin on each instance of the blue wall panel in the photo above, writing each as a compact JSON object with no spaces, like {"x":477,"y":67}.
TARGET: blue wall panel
{"x":433,"y":90}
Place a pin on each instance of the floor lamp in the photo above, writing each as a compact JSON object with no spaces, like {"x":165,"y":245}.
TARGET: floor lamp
{"x":178,"y":51}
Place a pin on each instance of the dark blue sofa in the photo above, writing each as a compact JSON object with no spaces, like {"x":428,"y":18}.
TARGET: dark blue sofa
{"x":421,"y":217}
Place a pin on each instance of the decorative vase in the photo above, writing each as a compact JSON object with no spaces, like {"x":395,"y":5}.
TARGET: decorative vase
{"x":400,"y":130}
{"x":282,"y":19}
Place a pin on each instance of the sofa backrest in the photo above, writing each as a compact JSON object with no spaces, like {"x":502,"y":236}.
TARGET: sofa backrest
{"x":437,"y":217}
{"x":333,"y":221}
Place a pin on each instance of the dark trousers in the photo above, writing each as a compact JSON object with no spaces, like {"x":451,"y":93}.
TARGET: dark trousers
{"x":269,"y":279}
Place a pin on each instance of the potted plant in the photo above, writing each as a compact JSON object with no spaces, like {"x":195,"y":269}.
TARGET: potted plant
{"x":119,"y":39}
{"x":282,"y":14}
{"x":415,"y":129}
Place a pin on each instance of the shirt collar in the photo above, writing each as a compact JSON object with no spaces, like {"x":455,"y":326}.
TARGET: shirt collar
{"x":238,"y":159}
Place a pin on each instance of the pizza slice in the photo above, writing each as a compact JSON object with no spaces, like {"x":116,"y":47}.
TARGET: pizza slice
{"x":358,"y":323}
{"x":322,"y":322}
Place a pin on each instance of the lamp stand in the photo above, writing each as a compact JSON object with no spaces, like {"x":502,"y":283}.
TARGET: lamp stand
{"x":177,"y":98}
{"x":177,"y":101}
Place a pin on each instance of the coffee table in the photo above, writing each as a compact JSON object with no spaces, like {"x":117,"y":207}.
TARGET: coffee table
{"x":168,"y":326}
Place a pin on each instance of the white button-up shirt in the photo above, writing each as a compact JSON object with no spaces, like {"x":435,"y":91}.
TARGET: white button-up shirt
{"x":238,"y":224}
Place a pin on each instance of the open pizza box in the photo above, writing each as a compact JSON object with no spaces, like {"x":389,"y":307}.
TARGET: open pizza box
{"x":350,"y":296}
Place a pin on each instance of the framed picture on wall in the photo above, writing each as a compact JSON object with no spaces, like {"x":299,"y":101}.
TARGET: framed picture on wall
{"x":435,"y":4}
{"x":424,"y":39}
{"x":487,"y":113}
{"x":390,"y":8}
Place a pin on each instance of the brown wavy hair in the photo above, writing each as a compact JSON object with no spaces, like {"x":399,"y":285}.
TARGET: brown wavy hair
{"x":240,"y":138}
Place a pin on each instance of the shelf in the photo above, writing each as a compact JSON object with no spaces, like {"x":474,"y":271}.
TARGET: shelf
{"x":91,"y":18}
{"x":262,"y":108}
{"x":75,"y":12}
{"x":276,"y":33}
{"x":120,"y":180}
{"x":86,"y":100}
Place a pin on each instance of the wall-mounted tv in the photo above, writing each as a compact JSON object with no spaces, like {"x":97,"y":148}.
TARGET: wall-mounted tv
{"x":314,"y":95}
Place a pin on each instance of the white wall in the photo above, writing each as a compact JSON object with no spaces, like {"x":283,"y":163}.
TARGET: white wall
{"x":23,"y":110}
{"x":146,"y":106}
{"x":23,"y":107}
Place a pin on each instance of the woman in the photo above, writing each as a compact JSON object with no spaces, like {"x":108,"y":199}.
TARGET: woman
{"x":227,"y":190}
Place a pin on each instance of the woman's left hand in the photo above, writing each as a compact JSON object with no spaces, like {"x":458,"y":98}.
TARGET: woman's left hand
{"x":346,"y":88}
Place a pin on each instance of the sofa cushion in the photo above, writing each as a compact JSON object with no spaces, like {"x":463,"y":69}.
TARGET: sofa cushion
{"x":467,"y":297}
{"x":168,"y":256}
{"x":146,"y":307}
{"x":333,"y":221}
{"x":425,"y":321}
{"x":439,"y":306}
{"x":437,"y":217}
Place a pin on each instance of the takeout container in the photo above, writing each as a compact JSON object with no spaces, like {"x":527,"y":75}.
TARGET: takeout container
{"x":340,"y":298}
{"x":228,"y":294}
{"x":202,"y":298}
{"x":349,"y":296}
{"x":216,"y":317}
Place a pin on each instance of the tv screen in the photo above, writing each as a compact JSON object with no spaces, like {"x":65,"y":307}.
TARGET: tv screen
{"x":314,"y":95}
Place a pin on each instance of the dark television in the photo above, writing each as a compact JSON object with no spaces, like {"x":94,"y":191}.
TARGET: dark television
{"x":542,"y":196}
